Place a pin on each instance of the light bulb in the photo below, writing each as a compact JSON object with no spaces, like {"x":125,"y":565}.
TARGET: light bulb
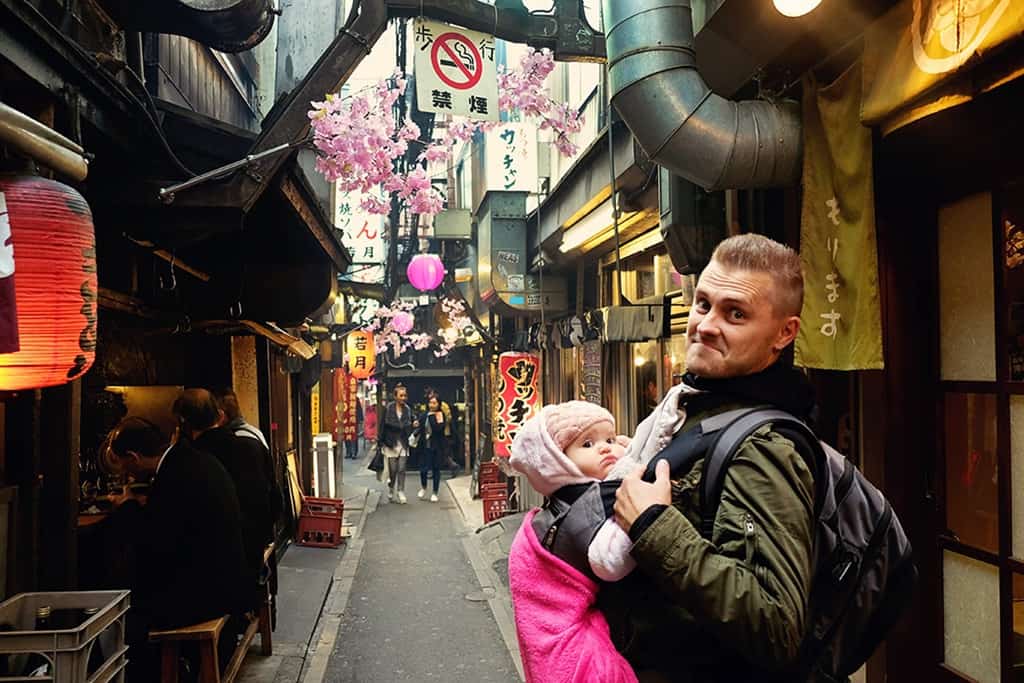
{"x":795,"y":8}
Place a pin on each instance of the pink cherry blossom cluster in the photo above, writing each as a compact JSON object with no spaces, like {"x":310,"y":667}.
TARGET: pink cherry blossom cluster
{"x":359,"y":140}
{"x":523,"y":90}
{"x":449,"y":336}
{"x":386,"y":337}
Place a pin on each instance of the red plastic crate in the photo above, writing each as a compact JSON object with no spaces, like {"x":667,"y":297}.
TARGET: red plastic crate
{"x":488,"y":473}
{"x":494,"y":508}
{"x":495,"y":490}
{"x":320,"y":522}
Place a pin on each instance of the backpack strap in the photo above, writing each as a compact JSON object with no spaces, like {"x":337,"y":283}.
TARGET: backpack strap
{"x":728,"y":439}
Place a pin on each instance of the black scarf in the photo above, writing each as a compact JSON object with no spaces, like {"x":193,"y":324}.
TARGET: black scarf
{"x":780,"y":385}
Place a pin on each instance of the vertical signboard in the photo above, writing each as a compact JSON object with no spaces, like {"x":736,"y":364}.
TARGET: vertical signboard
{"x":511,"y":158}
{"x":315,"y":408}
{"x":516,"y":398}
{"x":363,"y":237}
{"x":591,"y":371}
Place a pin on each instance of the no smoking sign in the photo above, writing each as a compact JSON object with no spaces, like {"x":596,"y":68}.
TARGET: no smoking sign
{"x":455,"y":71}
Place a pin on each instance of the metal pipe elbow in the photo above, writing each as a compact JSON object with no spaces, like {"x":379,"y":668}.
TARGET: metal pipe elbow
{"x":679,"y":122}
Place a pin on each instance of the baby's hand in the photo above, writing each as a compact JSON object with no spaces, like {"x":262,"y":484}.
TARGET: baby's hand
{"x":623,"y":440}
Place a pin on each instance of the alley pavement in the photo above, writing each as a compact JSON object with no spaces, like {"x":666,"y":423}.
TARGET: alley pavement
{"x":418,"y":608}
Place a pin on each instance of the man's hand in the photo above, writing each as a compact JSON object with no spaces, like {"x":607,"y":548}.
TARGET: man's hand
{"x":415,"y":424}
{"x":635,"y":495}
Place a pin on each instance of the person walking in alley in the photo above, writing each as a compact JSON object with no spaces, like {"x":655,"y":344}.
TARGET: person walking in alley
{"x":435,"y":429}
{"x":397,"y":427}
{"x":370,"y":425}
{"x":732,"y":607}
{"x":352,"y":445}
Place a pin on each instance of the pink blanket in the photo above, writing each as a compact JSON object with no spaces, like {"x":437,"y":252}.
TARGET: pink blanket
{"x":563,"y":638}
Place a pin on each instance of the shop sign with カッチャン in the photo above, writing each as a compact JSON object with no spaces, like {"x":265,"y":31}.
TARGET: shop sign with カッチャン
{"x":455,"y":71}
{"x":517,"y":397}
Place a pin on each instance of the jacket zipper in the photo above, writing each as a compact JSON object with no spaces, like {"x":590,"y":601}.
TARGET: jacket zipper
{"x":750,"y":536}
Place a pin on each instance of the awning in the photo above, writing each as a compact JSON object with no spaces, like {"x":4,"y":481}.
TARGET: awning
{"x":633,"y":323}
{"x":917,"y":58}
{"x":278,"y":336}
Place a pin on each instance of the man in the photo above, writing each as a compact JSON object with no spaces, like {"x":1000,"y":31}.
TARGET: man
{"x":731,"y":608}
{"x":200,"y":419}
{"x":227,"y":400}
{"x":187,"y":536}
{"x":234,"y":422}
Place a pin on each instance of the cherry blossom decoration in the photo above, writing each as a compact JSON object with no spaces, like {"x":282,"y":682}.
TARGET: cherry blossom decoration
{"x":461,"y":326}
{"x":358,"y":139}
{"x":425,"y":272}
{"x":388,"y":321}
{"x":403,"y":322}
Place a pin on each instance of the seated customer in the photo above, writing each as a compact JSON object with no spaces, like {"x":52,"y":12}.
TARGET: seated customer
{"x":187,"y":537}
{"x":201,"y":419}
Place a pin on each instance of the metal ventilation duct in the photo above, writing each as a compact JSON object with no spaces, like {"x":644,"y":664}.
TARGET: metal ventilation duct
{"x":225,"y":25}
{"x":677,"y":119}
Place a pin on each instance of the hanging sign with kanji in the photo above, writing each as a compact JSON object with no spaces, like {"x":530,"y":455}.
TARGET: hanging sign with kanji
{"x":455,"y":71}
{"x":517,"y":397}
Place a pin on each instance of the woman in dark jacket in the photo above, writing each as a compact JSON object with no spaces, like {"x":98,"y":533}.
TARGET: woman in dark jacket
{"x":397,"y":426}
{"x":434,"y":442}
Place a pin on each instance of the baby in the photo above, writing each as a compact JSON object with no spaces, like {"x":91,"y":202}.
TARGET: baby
{"x":565,"y":452}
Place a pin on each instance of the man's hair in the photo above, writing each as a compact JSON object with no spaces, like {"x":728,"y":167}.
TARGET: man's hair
{"x":759,"y":254}
{"x":137,"y":434}
{"x":196,"y":410}
{"x":227,"y":400}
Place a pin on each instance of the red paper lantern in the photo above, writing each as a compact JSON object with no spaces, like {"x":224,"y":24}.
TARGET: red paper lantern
{"x":54,"y":282}
{"x":425,"y":272}
{"x":362,"y":354}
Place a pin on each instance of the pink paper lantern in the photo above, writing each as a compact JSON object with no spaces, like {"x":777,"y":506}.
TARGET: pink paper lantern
{"x":402,"y":322}
{"x":425,"y":272}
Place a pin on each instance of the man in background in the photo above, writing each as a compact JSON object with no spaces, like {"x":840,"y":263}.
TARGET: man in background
{"x":187,"y":538}
{"x":246,"y":460}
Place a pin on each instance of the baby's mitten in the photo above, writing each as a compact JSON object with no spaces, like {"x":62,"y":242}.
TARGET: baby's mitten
{"x":608,"y":553}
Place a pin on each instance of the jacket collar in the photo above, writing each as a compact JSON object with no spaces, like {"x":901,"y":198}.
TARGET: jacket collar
{"x":780,"y":385}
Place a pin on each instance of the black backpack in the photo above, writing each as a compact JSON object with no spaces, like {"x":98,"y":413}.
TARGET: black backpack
{"x":863,"y":572}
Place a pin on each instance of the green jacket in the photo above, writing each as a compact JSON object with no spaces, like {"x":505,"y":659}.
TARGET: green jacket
{"x":732,"y":609}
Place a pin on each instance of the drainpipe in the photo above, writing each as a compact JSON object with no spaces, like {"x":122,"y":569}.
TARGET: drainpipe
{"x":42,"y":143}
{"x":681,"y":124}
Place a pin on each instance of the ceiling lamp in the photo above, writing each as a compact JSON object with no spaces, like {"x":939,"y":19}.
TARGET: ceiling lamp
{"x":795,"y":8}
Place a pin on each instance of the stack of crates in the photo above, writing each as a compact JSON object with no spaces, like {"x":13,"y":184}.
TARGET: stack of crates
{"x":86,"y":643}
{"x":320,"y":522}
{"x":493,"y":493}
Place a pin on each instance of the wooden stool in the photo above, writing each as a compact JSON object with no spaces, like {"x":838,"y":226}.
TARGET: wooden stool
{"x":264,"y":615}
{"x":207,"y":634}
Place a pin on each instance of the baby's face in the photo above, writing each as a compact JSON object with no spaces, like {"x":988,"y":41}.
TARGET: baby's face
{"x":595,"y":451}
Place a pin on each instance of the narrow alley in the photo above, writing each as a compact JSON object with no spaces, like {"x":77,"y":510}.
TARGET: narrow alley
{"x":416,"y":610}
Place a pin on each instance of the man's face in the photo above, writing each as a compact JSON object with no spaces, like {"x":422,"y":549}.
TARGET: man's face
{"x":135,"y":465}
{"x":735,"y":328}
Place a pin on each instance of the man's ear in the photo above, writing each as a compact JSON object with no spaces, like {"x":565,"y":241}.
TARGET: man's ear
{"x":787,"y":333}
